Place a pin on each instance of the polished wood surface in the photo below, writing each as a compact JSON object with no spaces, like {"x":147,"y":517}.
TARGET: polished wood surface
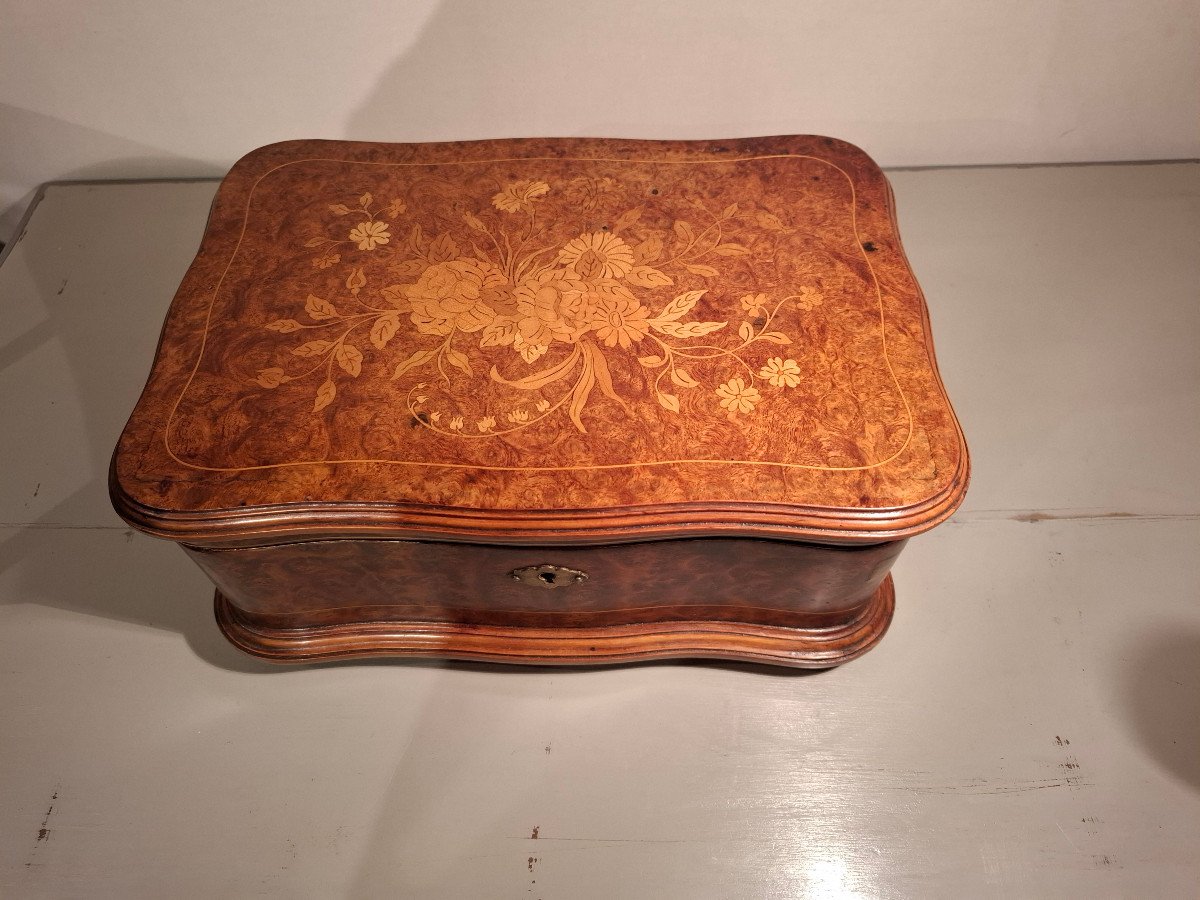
{"x":539,"y":340}
{"x":805,"y":648}
{"x":815,"y":605}
{"x":688,"y":372}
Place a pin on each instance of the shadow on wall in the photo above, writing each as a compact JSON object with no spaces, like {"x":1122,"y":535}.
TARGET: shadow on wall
{"x":621,"y":69}
{"x":122,"y":159}
{"x":1162,"y":701}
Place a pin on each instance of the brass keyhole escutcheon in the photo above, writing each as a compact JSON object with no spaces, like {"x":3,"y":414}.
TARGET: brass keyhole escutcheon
{"x":547,"y":576}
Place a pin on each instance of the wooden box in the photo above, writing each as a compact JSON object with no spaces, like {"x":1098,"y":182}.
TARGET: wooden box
{"x":548,"y":401}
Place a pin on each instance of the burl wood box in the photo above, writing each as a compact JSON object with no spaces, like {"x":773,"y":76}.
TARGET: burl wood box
{"x":547,"y":401}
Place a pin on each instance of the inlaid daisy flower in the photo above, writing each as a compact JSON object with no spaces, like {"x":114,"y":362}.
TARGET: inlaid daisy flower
{"x":597,"y":255}
{"x":737,"y":397}
{"x":781,"y":372}
{"x":370,"y":235}
{"x":619,"y":318}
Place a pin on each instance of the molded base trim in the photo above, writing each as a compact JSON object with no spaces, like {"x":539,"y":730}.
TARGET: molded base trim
{"x":812,"y":648}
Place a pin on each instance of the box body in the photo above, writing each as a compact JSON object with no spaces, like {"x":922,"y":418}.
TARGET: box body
{"x":547,"y":400}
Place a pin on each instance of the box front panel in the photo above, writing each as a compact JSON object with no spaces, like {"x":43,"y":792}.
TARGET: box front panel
{"x":319,"y":583}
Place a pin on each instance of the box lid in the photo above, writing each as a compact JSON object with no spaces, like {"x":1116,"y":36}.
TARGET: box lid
{"x":559,"y":340}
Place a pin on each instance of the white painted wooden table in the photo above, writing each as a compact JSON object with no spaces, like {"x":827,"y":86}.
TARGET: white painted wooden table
{"x":1030,"y":727}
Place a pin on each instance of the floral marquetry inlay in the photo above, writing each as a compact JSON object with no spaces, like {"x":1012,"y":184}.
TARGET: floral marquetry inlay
{"x":500,"y":291}
{"x":593,"y":318}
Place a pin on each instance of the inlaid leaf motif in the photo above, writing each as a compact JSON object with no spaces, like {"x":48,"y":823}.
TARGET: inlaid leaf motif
{"x":769,"y":221}
{"x":385,"y":329}
{"x":458,"y":360}
{"x":271,"y":378}
{"x":775,"y":337}
{"x":396,"y":295}
{"x":687,"y":329}
{"x":319,"y":309}
{"x":651,"y":362}
{"x":697,"y":269}
{"x":541,"y":379}
{"x":349,"y":358}
{"x":312,"y":348}
{"x":684,"y":231}
{"x":519,"y":195}
{"x":649,"y":250}
{"x":473,"y":221}
{"x":316,"y":241}
{"x":647,"y":276}
{"x":730,"y":250}
{"x":626,"y":219}
{"x":365,"y":200}
{"x":408,"y":268}
{"x":283,"y":326}
{"x":356,"y":281}
{"x":730,"y":211}
{"x":668,"y":401}
{"x":682,"y":378}
{"x":325,"y":394}
{"x":339,"y":209}
{"x":416,"y":240}
{"x":418,"y":358}
{"x":500,"y":333}
{"x":680,"y":306}
{"x":746,"y":332}
{"x":443,"y":249}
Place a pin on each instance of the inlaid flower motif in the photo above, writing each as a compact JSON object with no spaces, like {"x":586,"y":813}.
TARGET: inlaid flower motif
{"x":518,"y":195}
{"x":369,"y":235}
{"x":550,"y":307}
{"x":781,"y":372}
{"x":518,"y":283}
{"x":449,"y":296}
{"x":753,"y":303}
{"x":737,"y":397}
{"x":809,"y":298}
{"x":598,"y":255}
{"x":616,"y":315}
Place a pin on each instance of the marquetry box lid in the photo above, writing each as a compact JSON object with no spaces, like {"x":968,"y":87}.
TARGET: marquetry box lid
{"x":545,"y":341}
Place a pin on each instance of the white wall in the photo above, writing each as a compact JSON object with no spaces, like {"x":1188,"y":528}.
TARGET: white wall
{"x":146,"y":88}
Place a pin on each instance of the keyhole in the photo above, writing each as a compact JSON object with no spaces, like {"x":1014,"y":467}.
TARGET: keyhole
{"x":547,"y":577}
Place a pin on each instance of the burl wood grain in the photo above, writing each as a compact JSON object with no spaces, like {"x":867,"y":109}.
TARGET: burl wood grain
{"x":545,"y":341}
{"x":340,"y":582}
{"x":772,"y":601}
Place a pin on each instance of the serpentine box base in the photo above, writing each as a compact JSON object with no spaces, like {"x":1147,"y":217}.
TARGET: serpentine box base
{"x":547,"y":401}
{"x":769,"y":601}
